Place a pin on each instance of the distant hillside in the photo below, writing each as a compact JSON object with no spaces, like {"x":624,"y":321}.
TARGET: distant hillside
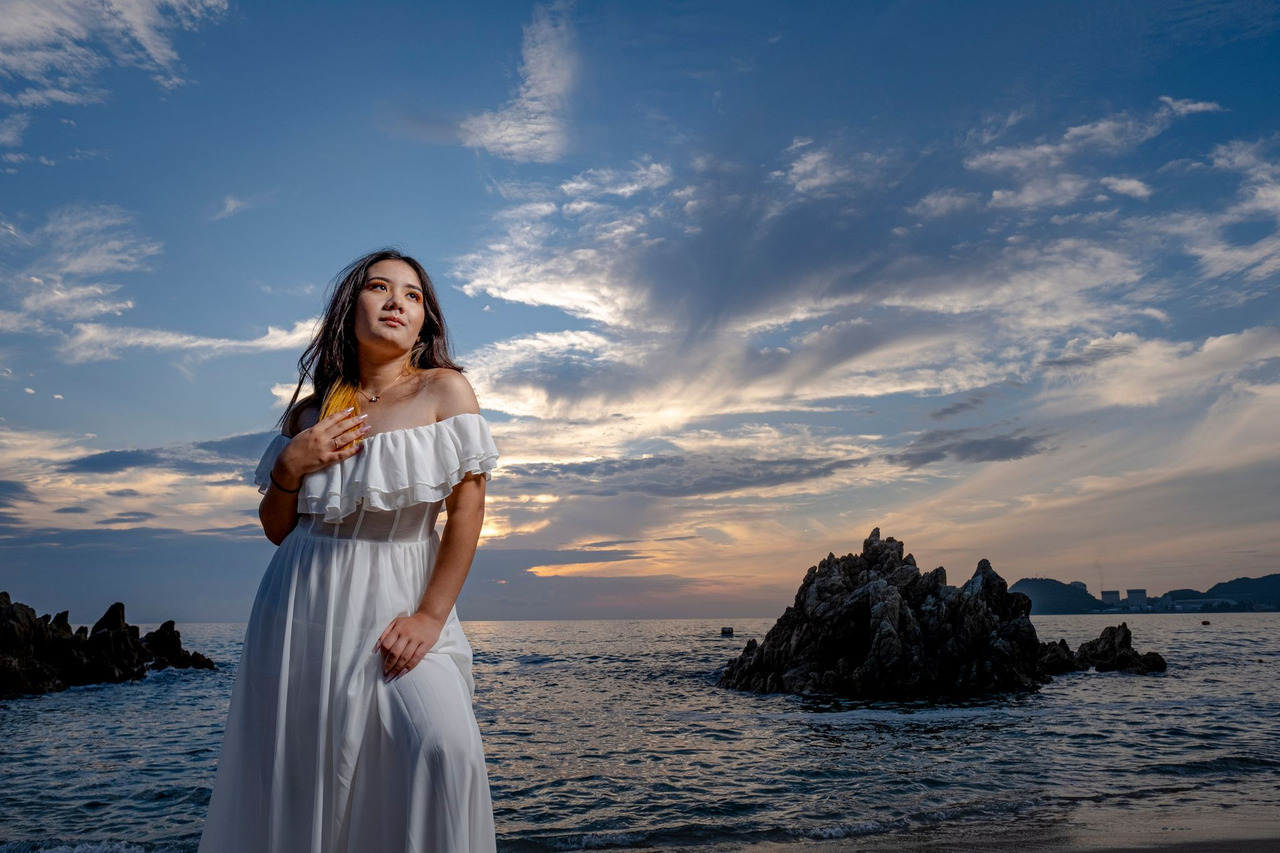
{"x":1264,"y":590}
{"x":1049,"y":596}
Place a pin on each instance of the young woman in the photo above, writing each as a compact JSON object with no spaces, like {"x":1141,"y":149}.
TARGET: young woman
{"x":350,"y":728}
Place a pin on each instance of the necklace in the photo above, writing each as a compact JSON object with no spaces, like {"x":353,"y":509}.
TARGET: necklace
{"x":374,"y":397}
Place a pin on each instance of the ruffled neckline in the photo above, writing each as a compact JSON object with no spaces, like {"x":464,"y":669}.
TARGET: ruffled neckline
{"x":395,"y":468}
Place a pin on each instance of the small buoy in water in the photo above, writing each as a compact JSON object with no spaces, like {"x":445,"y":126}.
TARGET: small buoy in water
{"x":726,"y":631}
{"x":1204,"y":621}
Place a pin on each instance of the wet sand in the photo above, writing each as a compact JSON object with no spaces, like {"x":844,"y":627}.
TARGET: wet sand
{"x":1234,"y":834}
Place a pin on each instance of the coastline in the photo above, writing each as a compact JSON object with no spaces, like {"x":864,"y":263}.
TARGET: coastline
{"x":1250,"y":836}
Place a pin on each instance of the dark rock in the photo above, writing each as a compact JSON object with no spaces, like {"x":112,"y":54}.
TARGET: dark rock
{"x":1057,"y":658}
{"x":112,"y":620}
{"x":871,"y":626}
{"x":1113,"y":652}
{"x":42,"y":655}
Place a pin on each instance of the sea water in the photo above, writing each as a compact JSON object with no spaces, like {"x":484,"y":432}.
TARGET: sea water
{"x":613,"y":734}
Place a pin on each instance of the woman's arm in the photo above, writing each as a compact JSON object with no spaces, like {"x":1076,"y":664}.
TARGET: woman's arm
{"x":330,"y":440}
{"x":407,"y":639}
{"x":465,"y":506}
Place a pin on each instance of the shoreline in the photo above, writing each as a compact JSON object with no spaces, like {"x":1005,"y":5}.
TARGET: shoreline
{"x":1251,"y":837}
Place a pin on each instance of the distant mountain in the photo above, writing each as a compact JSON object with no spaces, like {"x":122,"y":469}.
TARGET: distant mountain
{"x":1263,"y":590}
{"x":1049,"y":596}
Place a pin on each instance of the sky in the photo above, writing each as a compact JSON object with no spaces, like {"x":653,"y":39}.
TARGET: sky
{"x":735,"y":283}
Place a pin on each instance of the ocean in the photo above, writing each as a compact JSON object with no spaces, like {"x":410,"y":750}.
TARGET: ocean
{"x":613,"y":735}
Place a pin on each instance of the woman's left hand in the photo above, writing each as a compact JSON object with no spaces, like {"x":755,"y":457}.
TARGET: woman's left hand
{"x":406,"y":641}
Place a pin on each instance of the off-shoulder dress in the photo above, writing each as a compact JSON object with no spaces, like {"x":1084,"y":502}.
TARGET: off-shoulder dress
{"x":320,"y":754}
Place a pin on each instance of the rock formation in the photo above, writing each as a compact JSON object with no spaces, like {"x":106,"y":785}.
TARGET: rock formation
{"x":43,"y":655}
{"x":872,"y":626}
{"x":1113,"y":652}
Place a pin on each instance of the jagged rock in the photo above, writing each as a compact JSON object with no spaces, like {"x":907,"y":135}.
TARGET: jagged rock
{"x":165,"y":643}
{"x":1113,"y":652}
{"x":1057,"y":658}
{"x":872,"y":626}
{"x":43,"y":655}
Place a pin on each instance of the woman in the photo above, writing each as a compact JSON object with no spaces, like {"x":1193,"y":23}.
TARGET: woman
{"x":350,"y":728}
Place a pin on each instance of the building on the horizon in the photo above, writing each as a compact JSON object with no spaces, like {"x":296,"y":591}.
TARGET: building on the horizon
{"x":1136,"y":598}
{"x":1164,"y":604}
{"x":1195,"y":605}
{"x":1111,"y":597}
{"x":1080,"y":585}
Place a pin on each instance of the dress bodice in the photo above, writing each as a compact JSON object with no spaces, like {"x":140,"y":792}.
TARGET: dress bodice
{"x":398,"y":478}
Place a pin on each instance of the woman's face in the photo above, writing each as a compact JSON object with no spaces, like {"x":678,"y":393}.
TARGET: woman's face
{"x":389,"y":309}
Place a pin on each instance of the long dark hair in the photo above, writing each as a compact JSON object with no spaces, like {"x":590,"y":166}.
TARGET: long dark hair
{"x":330,"y":360}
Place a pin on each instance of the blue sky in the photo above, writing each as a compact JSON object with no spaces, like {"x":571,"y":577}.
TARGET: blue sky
{"x":735,"y":283}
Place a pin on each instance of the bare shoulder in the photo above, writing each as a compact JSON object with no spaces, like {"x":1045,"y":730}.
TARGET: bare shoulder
{"x":303,"y":417}
{"x":450,"y":393}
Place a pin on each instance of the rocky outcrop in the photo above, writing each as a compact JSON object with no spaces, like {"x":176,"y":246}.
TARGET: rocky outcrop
{"x":1113,"y":652}
{"x":873,"y":626}
{"x":43,"y":655}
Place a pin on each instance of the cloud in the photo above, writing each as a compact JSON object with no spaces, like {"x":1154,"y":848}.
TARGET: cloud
{"x":86,"y":240}
{"x":1128,"y":186}
{"x":674,"y":475}
{"x":1168,"y":499}
{"x":12,"y":129}
{"x":1208,"y":235}
{"x":80,"y":243}
{"x":821,"y":172}
{"x":966,"y":446}
{"x":532,"y":127}
{"x":1127,"y":371}
{"x":596,"y":182}
{"x":1057,"y":191}
{"x":231,"y":205}
{"x":943,"y":203}
{"x":53,"y":51}
{"x":1111,"y":135}
{"x":92,"y":341}
{"x":968,"y":404}
{"x":73,"y":302}
{"x":58,"y":264}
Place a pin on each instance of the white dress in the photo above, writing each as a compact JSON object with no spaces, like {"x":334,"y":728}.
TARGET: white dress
{"x":320,"y":754}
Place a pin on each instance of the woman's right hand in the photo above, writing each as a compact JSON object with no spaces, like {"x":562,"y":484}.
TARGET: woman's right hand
{"x":331,"y":440}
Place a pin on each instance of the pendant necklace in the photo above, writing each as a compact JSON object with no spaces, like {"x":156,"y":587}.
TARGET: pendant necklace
{"x":374,"y":397}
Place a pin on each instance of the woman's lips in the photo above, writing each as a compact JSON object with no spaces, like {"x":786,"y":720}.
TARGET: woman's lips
{"x":395,"y":320}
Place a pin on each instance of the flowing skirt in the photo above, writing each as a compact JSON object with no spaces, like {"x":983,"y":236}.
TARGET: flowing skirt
{"x":320,"y":754}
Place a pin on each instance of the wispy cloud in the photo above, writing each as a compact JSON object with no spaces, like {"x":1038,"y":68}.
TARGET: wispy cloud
{"x":91,"y":341}
{"x":1127,"y":186}
{"x":943,"y":203}
{"x":86,"y":240}
{"x":54,"y":51}
{"x":12,"y":128}
{"x":532,"y":127}
{"x":821,"y":171}
{"x":231,"y":205}
{"x":61,"y":260}
{"x":1144,"y":373}
{"x":1111,"y":135}
{"x":643,"y":176}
